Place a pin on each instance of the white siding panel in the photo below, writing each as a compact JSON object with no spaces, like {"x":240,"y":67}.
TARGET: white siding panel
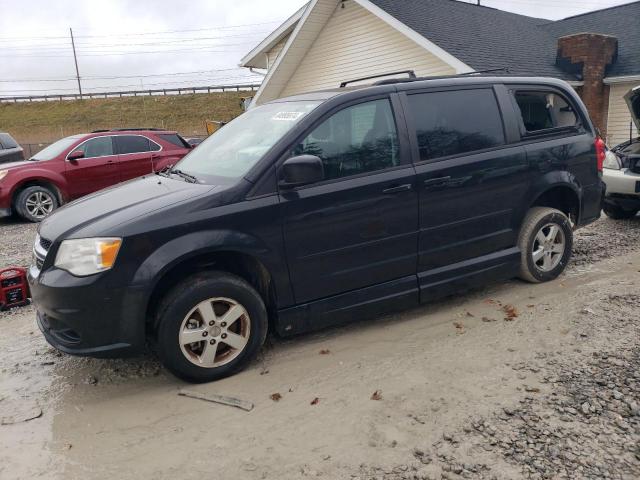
{"x":355,"y":43}
{"x":275,"y":51}
{"x":619,"y":115}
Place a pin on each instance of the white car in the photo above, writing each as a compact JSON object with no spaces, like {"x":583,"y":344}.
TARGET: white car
{"x":621,"y":171}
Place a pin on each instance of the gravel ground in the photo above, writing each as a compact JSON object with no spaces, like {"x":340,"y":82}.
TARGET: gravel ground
{"x":583,"y":421}
{"x":16,"y":238}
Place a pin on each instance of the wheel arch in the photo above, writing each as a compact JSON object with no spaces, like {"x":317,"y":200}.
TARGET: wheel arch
{"x":182,"y":257}
{"x":559,"y":190}
{"x":38,"y":182}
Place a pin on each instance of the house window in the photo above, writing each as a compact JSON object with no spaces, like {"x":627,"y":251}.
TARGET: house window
{"x":456,"y":122}
{"x":545,"y":110}
{"x":356,"y":140}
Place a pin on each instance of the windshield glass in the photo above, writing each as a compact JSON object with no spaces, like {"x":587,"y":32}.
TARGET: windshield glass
{"x":55,"y":149}
{"x":239,"y":145}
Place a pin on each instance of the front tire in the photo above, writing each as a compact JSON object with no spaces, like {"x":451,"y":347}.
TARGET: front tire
{"x":545,"y":241}
{"x":210,"y":327}
{"x":36,"y":203}
{"x":616,"y":212}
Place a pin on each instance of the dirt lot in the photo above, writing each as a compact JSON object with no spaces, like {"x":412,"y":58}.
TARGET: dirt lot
{"x":513,"y":381}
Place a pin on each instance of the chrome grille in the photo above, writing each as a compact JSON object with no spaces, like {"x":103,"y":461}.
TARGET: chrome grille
{"x":39,"y":255}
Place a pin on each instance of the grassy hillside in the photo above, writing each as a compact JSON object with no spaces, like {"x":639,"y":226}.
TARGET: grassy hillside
{"x":44,"y":122}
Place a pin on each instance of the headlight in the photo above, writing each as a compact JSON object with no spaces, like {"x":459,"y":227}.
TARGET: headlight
{"x":3,"y":173}
{"x":611,"y":161}
{"x":87,"y":256}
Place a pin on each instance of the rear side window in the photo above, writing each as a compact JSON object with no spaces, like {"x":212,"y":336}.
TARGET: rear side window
{"x":456,"y":122}
{"x":96,"y":147}
{"x":544,"y":111}
{"x":174,"y":139}
{"x":134,"y":144}
{"x":356,"y":140}
{"x":6,"y":141}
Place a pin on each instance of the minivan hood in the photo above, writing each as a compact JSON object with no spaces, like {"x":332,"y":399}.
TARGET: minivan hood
{"x":111,"y":207}
{"x":633,"y":102}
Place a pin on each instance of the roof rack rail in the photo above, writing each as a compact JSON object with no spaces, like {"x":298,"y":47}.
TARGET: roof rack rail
{"x":411,"y":73}
{"x":100,"y":131}
{"x":390,"y":81}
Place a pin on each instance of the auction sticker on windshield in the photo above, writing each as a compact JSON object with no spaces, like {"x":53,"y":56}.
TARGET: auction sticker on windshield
{"x":288,"y":116}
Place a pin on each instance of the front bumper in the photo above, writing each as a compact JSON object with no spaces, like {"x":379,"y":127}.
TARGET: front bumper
{"x":86,"y":316}
{"x":622,"y":182}
{"x":5,"y":212}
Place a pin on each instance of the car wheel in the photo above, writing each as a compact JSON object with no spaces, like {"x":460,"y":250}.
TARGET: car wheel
{"x":210,"y":327}
{"x":618,"y":213}
{"x":545,"y":241}
{"x":36,"y":203}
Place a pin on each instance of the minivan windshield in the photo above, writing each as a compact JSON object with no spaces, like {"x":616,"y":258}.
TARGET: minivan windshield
{"x":55,"y":149}
{"x":235,"y":148}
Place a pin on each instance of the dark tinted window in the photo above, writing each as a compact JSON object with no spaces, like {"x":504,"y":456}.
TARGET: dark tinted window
{"x":454,"y":122}
{"x":96,"y":147}
{"x":7,"y":141}
{"x":544,"y":110}
{"x":175,"y":139}
{"x":132,"y":144}
{"x":358,"y":139}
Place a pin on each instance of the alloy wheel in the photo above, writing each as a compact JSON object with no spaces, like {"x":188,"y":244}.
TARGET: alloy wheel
{"x":214,"y":332}
{"x":39,"y":204}
{"x":549,"y":247}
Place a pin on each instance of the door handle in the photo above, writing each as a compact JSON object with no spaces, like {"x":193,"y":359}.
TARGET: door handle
{"x":397,"y":189}
{"x":436,"y":182}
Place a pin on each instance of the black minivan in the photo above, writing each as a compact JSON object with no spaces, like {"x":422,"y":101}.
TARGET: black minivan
{"x":318,"y":209}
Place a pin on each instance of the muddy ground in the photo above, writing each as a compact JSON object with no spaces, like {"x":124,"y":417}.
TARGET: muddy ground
{"x":512,"y":381}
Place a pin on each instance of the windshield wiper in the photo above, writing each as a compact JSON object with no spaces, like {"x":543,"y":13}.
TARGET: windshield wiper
{"x":165,"y":171}
{"x":186,"y":176}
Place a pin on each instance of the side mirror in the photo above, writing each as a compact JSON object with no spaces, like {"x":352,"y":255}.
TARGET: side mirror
{"x":77,"y":155}
{"x":301,"y":170}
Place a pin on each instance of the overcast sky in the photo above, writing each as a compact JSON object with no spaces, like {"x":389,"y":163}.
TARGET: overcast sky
{"x":139,"y":44}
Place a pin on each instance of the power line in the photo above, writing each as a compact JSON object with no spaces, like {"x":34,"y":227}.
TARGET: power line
{"x":83,"y":45}
{"x":116,"y":77}
{"x":112,"y":35}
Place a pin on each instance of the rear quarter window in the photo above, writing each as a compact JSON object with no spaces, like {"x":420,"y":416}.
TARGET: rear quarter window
{"x":174,"y":139}
{"x":544,"y":110}
{"x":455,"y":122}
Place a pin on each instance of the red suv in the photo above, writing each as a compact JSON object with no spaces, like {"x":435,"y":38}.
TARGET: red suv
{"x":82,"y":164}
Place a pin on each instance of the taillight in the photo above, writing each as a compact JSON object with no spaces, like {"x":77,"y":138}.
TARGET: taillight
{"x":601,"y":152}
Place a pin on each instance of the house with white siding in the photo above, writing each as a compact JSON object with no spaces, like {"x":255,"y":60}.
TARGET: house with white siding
{"x":327,"y":42}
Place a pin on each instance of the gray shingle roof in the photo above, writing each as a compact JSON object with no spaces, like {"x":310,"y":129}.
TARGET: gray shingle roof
{"x":486,"y":38}
{"x":622,"y":22}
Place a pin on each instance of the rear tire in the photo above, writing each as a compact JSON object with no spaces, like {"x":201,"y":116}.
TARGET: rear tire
{"x":192,"y":331}
{"x":36,"y":203}
{"x":616,"y":212}
{"x":545,"y":241}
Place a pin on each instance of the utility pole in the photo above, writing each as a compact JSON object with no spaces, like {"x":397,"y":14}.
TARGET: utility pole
{"x":75,"y":59}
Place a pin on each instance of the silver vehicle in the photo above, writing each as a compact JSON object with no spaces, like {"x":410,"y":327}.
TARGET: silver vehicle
{"x":10,"y":151}
{"x":621,"y":171}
